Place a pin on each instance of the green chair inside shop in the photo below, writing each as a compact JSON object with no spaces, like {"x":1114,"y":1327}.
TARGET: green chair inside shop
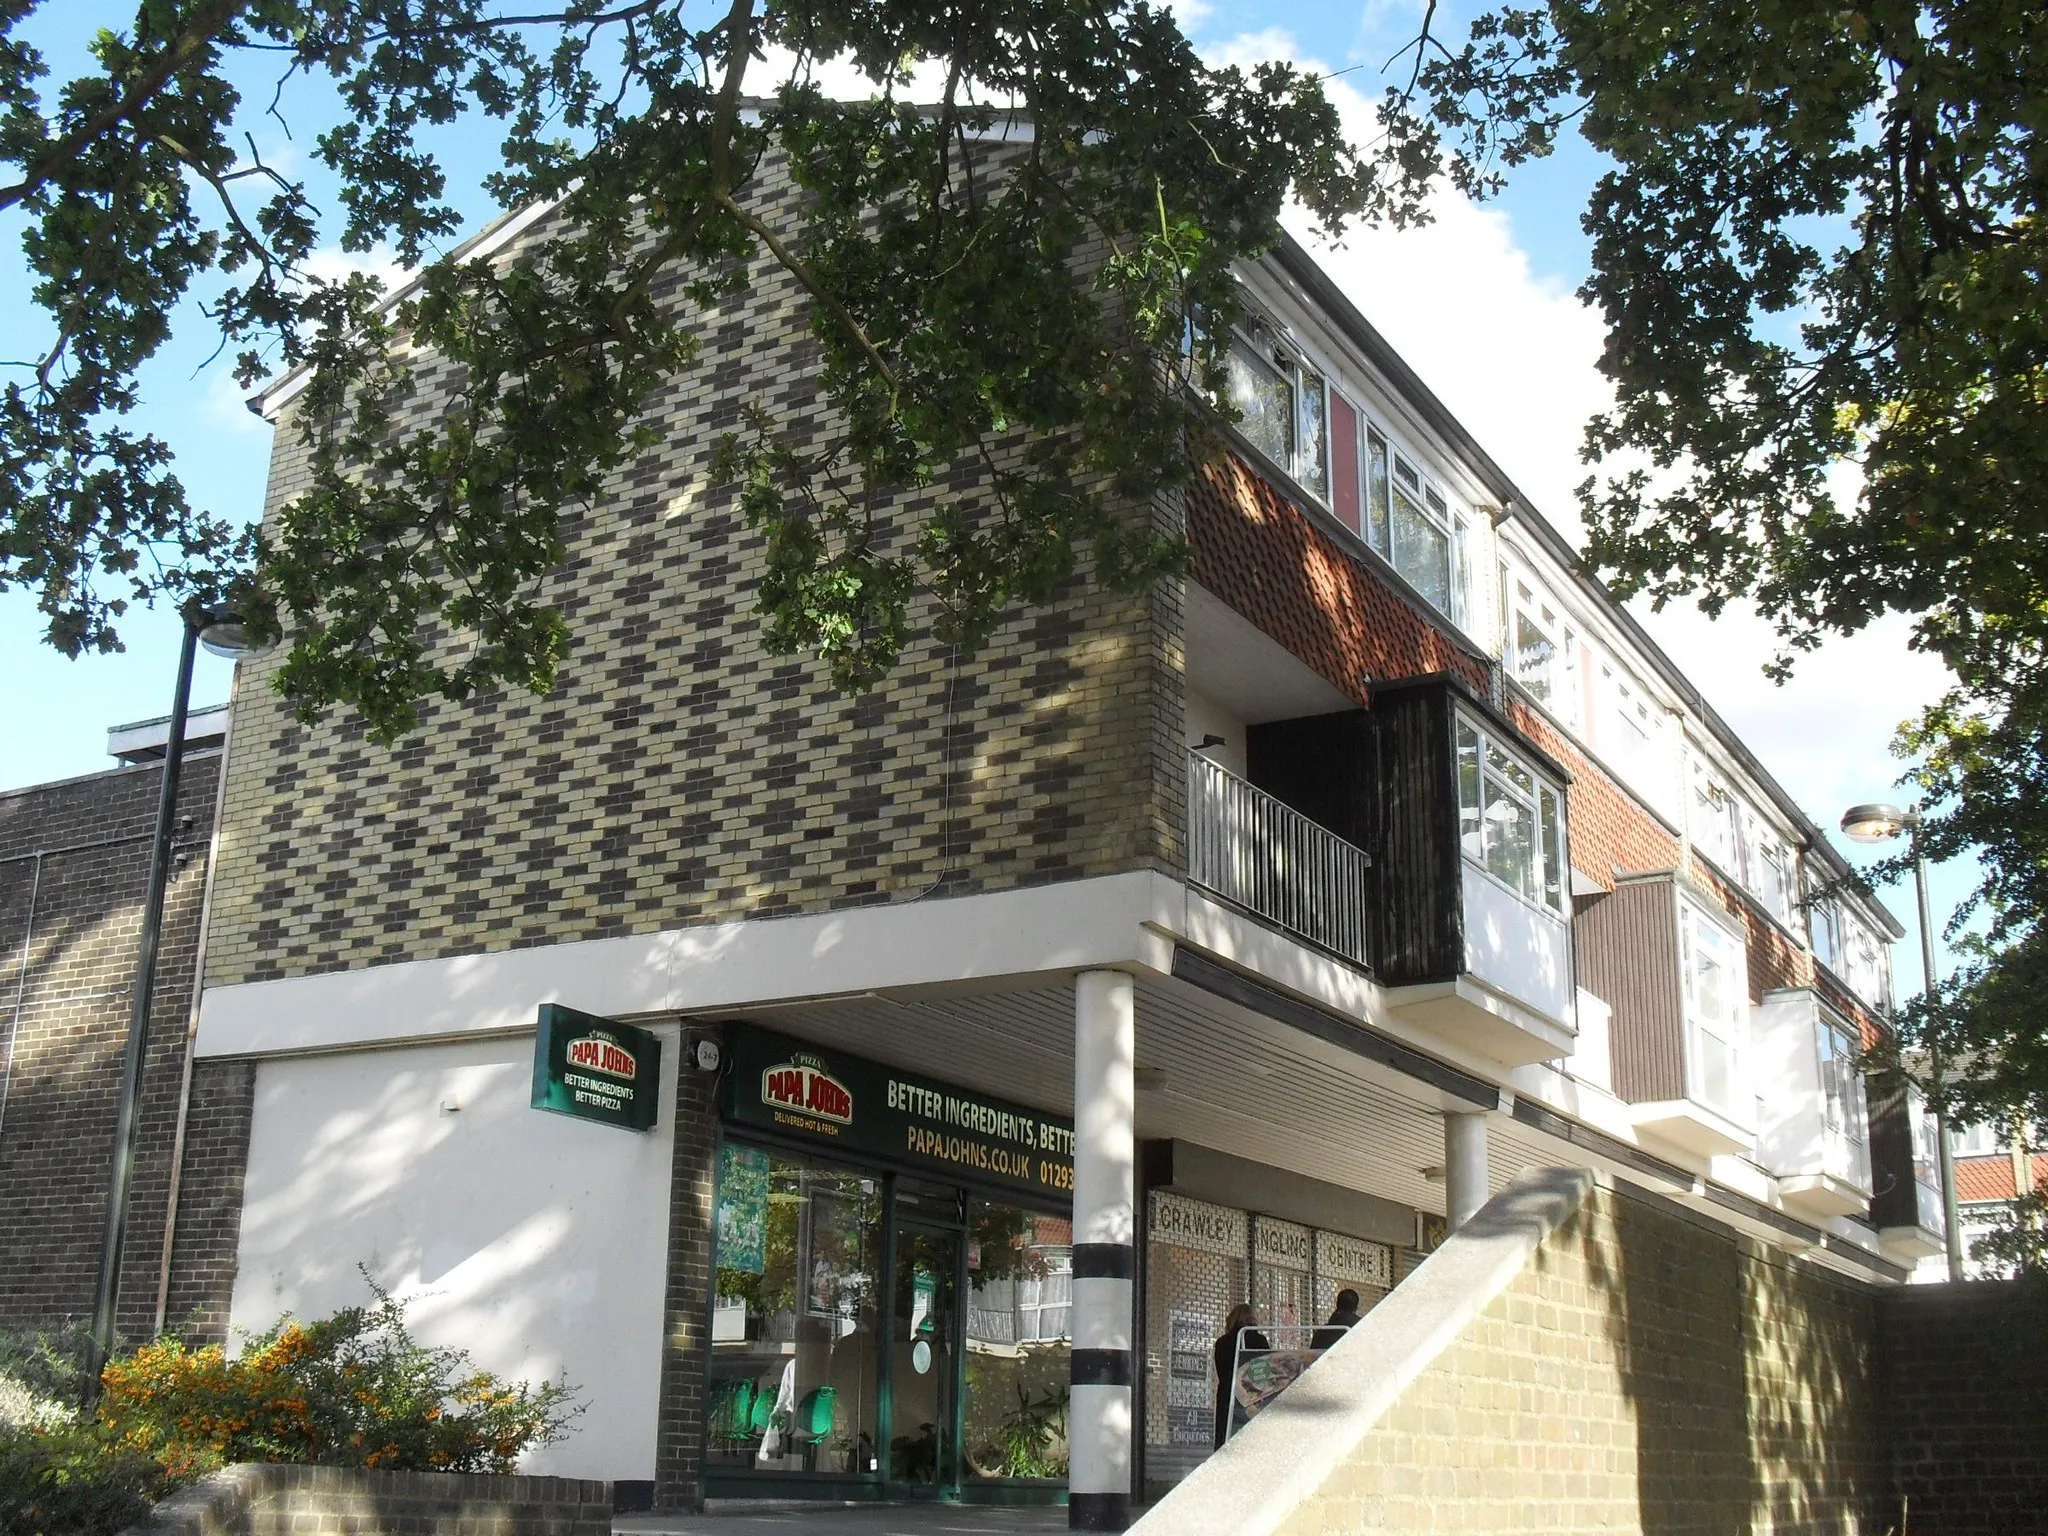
{"x":762,"y":1412}
{"x":816,"y":1414}
{"x":738,"y":1408}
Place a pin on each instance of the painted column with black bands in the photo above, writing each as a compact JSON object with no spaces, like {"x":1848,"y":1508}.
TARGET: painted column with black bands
{"x":1105,"y":1234}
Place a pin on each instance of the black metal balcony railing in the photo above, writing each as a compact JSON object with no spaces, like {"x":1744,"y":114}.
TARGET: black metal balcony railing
{"x":1271,"y":860}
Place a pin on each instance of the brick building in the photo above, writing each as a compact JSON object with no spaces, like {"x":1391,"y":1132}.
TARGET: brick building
{"x":74,"y":860}
{"x":1230,"y":941}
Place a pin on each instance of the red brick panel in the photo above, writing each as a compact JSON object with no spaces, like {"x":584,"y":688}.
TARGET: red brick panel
{"x":1260,"y":554}
{"x":1610,"y":832}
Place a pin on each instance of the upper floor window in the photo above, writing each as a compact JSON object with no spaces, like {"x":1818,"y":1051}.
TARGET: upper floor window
{"x":1866,"y":964}
{"x":1543,"y":649}
{"x":1715,"y":820}
{"x":1283,"y":406}
{"x":1841,"y":1080}
{"x":1510,"y":819}
{"x":1824,"y":929}
{"x":1768,"y":871}
{"x":1628,"y":735}
{"x":1716,"y":990}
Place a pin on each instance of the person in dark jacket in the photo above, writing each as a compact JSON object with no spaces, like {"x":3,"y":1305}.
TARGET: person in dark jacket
{"x":1242,"y":1316}
{"x":1340,"y":1321}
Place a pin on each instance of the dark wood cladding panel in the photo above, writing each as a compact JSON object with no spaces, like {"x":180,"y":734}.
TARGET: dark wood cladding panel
{"x":1322,"y":766}
{"x":1419,"y":916}
{"x":1383,"y":779}
{"x":1627,"y":944}
{"x":1894,"y":1202}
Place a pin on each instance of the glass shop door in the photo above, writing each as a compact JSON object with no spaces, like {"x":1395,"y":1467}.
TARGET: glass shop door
{"x":925,"y":1362}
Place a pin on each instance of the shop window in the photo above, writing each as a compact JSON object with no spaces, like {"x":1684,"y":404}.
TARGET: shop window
{"x":1510,"y":821}
{"x":795,"y":1325}
{"x":1716,"y":1010}
{"x":1020,"y":1302}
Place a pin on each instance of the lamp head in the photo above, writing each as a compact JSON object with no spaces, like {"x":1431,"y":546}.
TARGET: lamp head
{"x":222,"y":633}
{"x":1877,"y":822}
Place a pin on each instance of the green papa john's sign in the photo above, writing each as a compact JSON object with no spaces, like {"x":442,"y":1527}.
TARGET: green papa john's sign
{"x":829,"y":1098}
{"x":596,"y":1069}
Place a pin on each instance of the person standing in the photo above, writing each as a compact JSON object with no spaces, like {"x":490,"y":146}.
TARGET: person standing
{"x":1340,"y":1321}
{"x":1242,"y":1316}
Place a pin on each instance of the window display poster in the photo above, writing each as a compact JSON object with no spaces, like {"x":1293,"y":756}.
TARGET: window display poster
{"x":743,"y":1209}
{"x":1190,"y":1409}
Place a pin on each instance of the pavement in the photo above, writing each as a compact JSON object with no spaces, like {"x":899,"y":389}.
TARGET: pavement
{"x":747,"y":1518}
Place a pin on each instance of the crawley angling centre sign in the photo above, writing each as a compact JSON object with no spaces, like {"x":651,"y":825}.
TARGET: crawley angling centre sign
{"x":796,"y":1089}
{"x":596,"y":1069}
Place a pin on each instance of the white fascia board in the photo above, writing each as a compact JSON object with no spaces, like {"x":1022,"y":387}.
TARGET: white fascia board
{"x":1112,"y":921}
{"x":270,"y":399}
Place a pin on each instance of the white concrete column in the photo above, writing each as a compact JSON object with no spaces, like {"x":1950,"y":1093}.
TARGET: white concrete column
{"x":1464,"y":1167}
{"x":1105,"y":1236}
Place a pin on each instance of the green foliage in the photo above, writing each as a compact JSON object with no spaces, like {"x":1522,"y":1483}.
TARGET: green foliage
{"x":73,"y":1480}
{"x":51,"y":1363}
{"x":354,"y":1389}
{"x":999,"y":278}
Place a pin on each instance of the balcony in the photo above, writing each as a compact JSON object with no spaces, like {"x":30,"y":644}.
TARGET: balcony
{"x":1813,"y":1134}
{"x":1673,"y":965}
{"x":1351,"y":829}
{"x":1905,"y":1201}
{"x":1268,"y":858}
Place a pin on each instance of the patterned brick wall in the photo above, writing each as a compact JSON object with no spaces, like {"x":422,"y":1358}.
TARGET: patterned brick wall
{"x":693,"y":1187}
{"x":1643,"y":1374}
{"x":76,"y":914}
{"x":1965,"y":1371}
{"x":679,"y":774}
{"x":1610,"y":831}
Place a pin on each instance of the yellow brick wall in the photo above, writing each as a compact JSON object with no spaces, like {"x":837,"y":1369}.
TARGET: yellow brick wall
{"x":679,"y":774}
{"x":1643,"y":1374}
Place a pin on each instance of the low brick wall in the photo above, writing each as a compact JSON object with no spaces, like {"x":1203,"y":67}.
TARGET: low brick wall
{"x":1576,"y":1359}
{"x":262,"y":1500}
{"x":1965,"y":1371}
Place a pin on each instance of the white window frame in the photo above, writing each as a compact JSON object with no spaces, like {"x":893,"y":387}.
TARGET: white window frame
{"x":1731,"y":1029}
{"x":1556,"y":686}
{"x":1978,"y":1140}
{"x":1307,"y":414}
{"x":1765,"y":851}
{"x":1549,"y":888}
{"x":1824,"y":921}
{"x":1712,"y":805}
{"x":1844,"y":1109}
{"x":1866,"y":963}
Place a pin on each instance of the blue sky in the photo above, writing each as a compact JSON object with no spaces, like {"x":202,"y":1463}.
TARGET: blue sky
{"x":1481,"y":304}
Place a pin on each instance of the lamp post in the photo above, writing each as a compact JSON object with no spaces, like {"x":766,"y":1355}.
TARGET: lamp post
{"x":222,"y":635}
{"x":1879,"y":822}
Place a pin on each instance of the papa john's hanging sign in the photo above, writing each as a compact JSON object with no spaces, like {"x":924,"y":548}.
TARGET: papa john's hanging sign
{"x":596,"y":1069}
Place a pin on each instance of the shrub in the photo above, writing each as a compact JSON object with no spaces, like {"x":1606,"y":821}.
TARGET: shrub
{"x":354,"y":1389}
{"x":69,"y":1479}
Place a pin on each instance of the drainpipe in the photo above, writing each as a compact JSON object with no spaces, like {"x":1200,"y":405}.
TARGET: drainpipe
{"x":177,"y":1184}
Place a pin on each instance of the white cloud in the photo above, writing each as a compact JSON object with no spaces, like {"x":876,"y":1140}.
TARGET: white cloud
{"x":331,"y":264}
{"x":225,"y":405}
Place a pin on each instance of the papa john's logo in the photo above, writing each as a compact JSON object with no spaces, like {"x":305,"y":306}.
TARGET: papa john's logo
{"x":806,"y":1087}
{"x":601,"y":1053}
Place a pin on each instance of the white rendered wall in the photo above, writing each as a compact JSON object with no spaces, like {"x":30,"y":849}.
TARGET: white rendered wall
{"x":533,"y":1241}
{"x":1517,"y":949}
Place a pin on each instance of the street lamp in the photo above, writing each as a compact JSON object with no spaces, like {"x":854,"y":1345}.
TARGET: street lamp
{"x":223,"y":635}
{"x":1879,"y":822}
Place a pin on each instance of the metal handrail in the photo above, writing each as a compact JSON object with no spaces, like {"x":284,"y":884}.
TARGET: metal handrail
{"x":1267,"y":857}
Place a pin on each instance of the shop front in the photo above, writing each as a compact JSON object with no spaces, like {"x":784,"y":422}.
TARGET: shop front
{"x":892,"y":1310}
